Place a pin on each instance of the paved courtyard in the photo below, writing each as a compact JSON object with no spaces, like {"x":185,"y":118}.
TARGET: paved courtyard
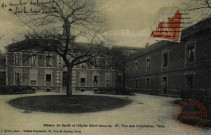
{"x":153,"y":111}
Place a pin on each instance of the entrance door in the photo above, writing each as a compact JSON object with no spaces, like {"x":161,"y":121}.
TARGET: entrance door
{"x":164,"y":82}
{"x":189,"y":82}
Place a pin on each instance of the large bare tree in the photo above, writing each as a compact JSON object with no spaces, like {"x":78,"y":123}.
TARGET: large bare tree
{"x":200,"y":8}
{"x":56,"y":26}
{"x":198,"y":4}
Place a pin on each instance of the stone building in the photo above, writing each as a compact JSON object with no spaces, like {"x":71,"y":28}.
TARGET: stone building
{"x":25,"y":67}
{"x":2,"y":69}
{"x":105,"y":74}
{"x":86,"y":77}
{"x":47,"y":70}
{"x":169,"y":67}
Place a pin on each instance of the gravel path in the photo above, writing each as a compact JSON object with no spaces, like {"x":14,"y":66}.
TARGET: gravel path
{"x":153,"y":111}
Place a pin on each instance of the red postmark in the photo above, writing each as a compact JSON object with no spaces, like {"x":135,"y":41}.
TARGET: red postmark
{"x":170,"y":30}
{"x":190,"y":114}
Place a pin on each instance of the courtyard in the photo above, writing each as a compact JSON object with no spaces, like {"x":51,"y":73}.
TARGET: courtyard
{"x":146,"y":115}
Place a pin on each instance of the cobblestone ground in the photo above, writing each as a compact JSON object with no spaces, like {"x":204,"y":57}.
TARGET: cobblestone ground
{"x":150,"y":115}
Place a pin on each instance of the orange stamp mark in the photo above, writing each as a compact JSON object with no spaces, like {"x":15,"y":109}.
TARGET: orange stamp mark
{"x":190,"y":114}
{"x":170,"y":30}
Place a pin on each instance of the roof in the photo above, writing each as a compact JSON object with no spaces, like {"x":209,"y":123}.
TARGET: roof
{"x":150,"y":48}
{"x":27,"y":45}
{"x":196,"y":28}
{"x":23,"y":45}
{"x":126,"y":48}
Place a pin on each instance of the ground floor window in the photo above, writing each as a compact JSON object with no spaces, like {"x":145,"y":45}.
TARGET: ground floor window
{"x":119,"y":80}
{"x":17,"y":78}
{"x":83,"y":81}
{"x":48,"y":78}
{"x":2,"y":78}
{"x":33,"y":77}
{"x":164,"y":83}
{"x":33,"y":82}
{"x":136,"y":84}
{"x":95,"y":81}
{"x":147,"y":83}
{"x":189,"y":81}
{"x":108,"y":79}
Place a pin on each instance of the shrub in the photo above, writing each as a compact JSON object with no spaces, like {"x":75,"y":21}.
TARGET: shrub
{"x":16,"y":89}
{"x":114,"y":90}
{"x":186,"y":93}
{"x":203,"y":95}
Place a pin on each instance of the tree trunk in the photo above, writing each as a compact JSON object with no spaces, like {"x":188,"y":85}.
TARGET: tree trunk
{"x":69,"y":81}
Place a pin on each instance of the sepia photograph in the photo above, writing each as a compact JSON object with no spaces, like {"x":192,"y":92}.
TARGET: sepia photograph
{"x":105,"y":67}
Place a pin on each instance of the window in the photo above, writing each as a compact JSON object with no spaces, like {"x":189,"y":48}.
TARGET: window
{"x":165,"y":60}
{"x":108,"y":79}
{"x":190,"y":81}
{"x":48,"y":78}
{"x":135,"y":66}
{"x":33,"y":82}
{"x":17,"y":78}
{"x":95,"y":80}
{"x":2,"y":78}
{"x":190,"y":53}
{"x":33,"y":73}
{"x":147,"y":83}
{"x":17,"y":59}
{"x":119,"y":79}
{"x":148,"y":63}
{"x":136,"y":84}
{"x":33,"y":60}
{"x":164,"y":83}
{"x":48,"y":61}
{"x":83,"y":81}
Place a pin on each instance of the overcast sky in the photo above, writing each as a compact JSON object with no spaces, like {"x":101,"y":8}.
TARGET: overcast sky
{"x":131,"y":21}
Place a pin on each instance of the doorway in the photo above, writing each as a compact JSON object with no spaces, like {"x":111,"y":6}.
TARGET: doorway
{"x":164,"y":83}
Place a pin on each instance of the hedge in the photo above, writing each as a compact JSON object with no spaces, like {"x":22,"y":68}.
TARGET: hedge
{"x":114,"y":90}
{"x":16,"y":89}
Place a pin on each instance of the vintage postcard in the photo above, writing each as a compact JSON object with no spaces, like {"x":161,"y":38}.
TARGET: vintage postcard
{"x":105,"y":67}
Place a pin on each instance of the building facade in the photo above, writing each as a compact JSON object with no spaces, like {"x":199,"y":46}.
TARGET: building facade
{"x":105,"y":74}
{"x":169,"y":67}
{"x":2,"y":69}
{"x":87,"y":78}
{"x":47,"y":71}
{"x":25,"y":68}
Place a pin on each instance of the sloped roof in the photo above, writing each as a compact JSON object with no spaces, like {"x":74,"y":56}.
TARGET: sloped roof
{"x":196,"y":28}
{"x":35,"y":44}
{"x":23,"y":45}
{"x":126,"y":48}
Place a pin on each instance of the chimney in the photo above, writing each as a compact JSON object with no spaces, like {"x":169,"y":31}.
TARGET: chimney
{"x":146,"y":45}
